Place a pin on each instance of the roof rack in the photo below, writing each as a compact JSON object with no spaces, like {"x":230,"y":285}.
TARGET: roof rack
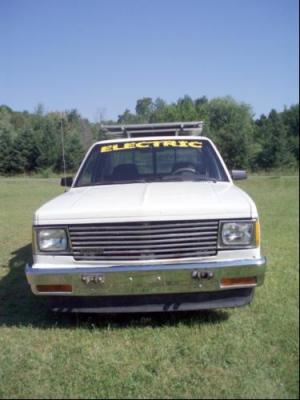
{"x":193,"y":128}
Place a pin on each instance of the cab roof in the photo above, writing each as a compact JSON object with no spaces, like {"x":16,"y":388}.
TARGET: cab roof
{"x":151,"y":138}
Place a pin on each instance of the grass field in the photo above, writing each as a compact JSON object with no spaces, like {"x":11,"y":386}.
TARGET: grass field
{"x":251,"y":352}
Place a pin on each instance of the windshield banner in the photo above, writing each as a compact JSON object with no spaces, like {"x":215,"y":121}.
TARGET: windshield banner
{"x":151,"y":144}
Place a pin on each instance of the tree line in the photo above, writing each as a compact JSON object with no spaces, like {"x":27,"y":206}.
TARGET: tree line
{"x":32,"y":142}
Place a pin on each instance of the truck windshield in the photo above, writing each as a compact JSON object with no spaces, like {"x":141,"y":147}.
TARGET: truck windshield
{"x":151,"y":161}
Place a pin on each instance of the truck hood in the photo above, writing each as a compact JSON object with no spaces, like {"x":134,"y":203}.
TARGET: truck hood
{"x":147,"y":201}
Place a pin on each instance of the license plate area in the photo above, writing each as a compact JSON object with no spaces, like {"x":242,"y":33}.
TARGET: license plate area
{"x":93,"y":279}
{"x":143,"y":282}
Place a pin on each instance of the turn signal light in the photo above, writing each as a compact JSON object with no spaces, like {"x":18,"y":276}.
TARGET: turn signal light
{"x":54,"y":288}
{"x":257,"y":233}
{"x":226,"y":282}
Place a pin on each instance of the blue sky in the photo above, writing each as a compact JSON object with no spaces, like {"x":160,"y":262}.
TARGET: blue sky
{"x":102,"y":55}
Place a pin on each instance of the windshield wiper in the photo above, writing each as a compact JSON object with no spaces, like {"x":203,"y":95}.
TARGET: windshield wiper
{"x":206,"y":179}
{"x":182,"y":178}
{"x":118,"y":182}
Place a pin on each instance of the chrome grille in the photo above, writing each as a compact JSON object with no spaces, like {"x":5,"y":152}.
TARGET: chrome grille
{"x":159,"y":240}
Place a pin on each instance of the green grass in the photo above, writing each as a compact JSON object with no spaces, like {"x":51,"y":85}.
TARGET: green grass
{"x":250,"y":352}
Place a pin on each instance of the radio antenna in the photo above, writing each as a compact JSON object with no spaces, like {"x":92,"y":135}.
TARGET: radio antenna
{"x":63,"y":149}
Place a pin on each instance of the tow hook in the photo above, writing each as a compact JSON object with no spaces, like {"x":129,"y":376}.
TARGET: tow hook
{"x":202,"y":275}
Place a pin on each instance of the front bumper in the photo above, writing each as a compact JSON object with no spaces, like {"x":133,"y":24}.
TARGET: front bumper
{"x":87,"y":281}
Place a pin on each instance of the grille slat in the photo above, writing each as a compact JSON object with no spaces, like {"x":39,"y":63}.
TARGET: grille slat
{"x":154,"y":241}
{"x":116,"y":245}
{"x":140,"y":225}
{"x":160,"y":250}
{"x":168,"y":256}
{"x":148,"y":235}
{"x":146,"y":231}
{"x":144,"y":240}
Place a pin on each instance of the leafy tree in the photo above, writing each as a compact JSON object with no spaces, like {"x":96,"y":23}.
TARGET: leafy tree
{"x":5,"y":151}
{"x":73,"y":116}
{"x":128,"y":118}
{"x":39,"y":109}
{"x":159,"y":111}
{"x":201,"y":107}
{"x":144,"y":108}
{"x":201,"y":101}
{"x":7,"y":134}
{"x":73,"y":154}
{"x":231,"y":127}
{"x":26,"y":146}
{"x":272,"y":134}
{"x":186,"y":110}
{"x":16,"y":161}
{"x":290,"y":119}
{"x":48,"y":143}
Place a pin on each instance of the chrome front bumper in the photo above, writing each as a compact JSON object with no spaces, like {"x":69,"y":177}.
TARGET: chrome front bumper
{"x":145,"y":279}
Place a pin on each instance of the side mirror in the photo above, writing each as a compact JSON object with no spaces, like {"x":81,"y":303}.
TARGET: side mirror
{"x":66,"y":181}
{"x":238,"y":174}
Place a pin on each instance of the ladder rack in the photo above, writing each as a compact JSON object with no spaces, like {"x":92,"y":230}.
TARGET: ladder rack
{"x":193,"y":128}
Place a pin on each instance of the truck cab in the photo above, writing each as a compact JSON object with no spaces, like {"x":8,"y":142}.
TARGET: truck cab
{"x":152,"y":221}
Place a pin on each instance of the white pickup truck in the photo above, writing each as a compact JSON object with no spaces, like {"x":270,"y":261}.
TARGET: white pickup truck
{"x":152,"y":222}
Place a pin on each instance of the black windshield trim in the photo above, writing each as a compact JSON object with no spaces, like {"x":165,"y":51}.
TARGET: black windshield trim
{"x":148,"y":181}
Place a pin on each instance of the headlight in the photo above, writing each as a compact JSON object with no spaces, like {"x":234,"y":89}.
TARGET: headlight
{"x":239,"y":234}
{"x":52,"y":240}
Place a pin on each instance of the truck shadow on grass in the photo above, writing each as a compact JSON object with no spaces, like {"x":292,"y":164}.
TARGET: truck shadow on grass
{"x":19,"y":307}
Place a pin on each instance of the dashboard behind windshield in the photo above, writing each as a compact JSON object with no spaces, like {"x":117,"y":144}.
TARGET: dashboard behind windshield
{"x":151,"y":161}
